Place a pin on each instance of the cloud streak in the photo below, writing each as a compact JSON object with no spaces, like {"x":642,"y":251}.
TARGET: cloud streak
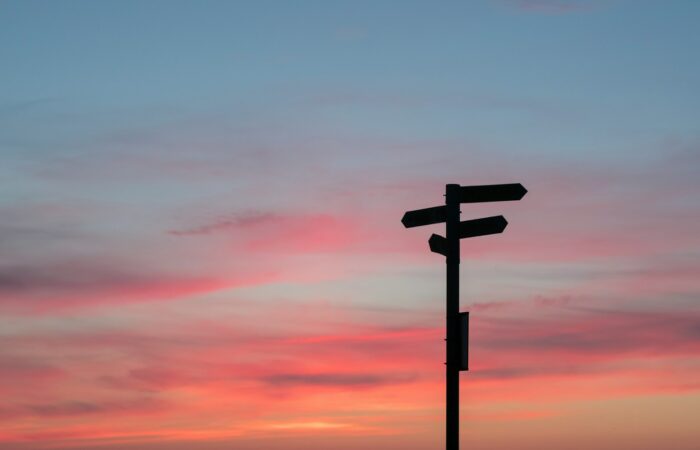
{"x":552,"y":6}
{"x":219,"y":369}
{"x":48,"y":287}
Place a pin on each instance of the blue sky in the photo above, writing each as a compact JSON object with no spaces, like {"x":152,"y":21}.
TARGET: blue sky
{"x":280,"y":57}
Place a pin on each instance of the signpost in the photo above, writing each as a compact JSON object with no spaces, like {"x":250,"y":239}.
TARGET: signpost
{"x":457,"y":324}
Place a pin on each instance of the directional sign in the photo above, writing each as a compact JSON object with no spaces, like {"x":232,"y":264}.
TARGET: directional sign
{"x":438,"y":244}
{"x":467,"y":229}
{"x":482,"y":227}
{"x":491,"y":193}
{"x":467,"y":194}
{"x":427,"y":216}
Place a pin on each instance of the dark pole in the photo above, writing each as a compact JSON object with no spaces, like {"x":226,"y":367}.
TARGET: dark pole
{"x":457,"y":325}
{"x":452,"y":202}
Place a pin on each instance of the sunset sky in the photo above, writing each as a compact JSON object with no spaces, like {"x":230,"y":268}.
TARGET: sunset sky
{"x":200,"y":236}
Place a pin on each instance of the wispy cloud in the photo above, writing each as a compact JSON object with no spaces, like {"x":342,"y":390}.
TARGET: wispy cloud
{"x":347,"y":380}
{"x":85,"y":408}
{"x":283,"y":233}
{"x":48,"y":287}
{"x":552,"y":6}
{"x":10,"y":109}
{"x":242,"y":220}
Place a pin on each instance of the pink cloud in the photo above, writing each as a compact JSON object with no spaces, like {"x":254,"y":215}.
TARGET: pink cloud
{"x":310,"y":234}
{"x":282,"y":233}
{"x":198,"y":371}
{"x":25,"y":375}
{"x":73,"y":408}
{"x":59,"y":287}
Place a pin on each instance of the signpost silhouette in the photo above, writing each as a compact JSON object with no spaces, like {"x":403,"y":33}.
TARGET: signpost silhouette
{"x":457,"y":324}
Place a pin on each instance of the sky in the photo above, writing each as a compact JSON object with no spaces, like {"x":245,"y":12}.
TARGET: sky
{"x":200,"y":236}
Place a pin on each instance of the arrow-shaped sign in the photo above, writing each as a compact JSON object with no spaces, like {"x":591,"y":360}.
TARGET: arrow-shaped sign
{"x":482,"y":227}
{"x":467,"y":229}
{"x":491,"y":193}
{"x":427,"y":216}
{"x":438,"y":244}
{"x":467,"y":194}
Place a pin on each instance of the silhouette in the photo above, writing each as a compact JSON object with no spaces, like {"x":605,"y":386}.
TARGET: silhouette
{"x":457,"y":324}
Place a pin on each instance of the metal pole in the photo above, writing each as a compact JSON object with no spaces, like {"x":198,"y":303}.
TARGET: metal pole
{"x":452,"y":202}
